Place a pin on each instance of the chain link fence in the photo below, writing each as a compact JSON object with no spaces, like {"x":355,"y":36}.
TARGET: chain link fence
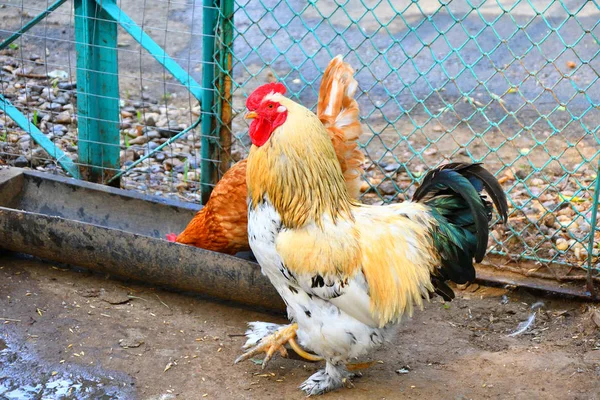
{"x":511,"y":84}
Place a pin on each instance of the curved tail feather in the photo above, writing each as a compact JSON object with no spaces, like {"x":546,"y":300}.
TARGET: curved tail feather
{"x":453,"y":191}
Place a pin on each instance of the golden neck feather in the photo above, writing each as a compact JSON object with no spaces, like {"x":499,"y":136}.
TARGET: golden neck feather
{"x":298,"y":171}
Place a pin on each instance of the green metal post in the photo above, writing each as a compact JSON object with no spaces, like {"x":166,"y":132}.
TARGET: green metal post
{"x":98,"y":91}
{"x":591,"y":245}
{"x":209,"y":24}
{"x":223,"y":151}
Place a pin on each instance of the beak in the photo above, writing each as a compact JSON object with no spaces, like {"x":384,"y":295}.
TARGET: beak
{"x":250,"y":115}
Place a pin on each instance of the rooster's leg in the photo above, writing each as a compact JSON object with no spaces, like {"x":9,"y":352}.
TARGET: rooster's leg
{"x":274,"y":338}
{"x":334,"y":376}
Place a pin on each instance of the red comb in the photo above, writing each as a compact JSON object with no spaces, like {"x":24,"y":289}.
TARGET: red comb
{"x":171,"y":237}
{"x":260,"y":92}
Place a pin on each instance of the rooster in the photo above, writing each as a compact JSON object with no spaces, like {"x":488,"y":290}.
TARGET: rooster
{"x":222,"y":224}
{"x":347,"y":272}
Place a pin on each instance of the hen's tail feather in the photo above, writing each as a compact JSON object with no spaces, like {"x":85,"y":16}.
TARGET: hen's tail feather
{"x":338,"y":111}
{"x":453,"y":191}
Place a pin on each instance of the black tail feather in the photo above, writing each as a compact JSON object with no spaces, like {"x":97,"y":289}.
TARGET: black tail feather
{"x":453,"y":191}
{"x":490,"y":183}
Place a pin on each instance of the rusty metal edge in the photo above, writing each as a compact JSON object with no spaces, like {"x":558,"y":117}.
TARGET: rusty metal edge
{"x":9,"y":173}
{"x":489,"y":275}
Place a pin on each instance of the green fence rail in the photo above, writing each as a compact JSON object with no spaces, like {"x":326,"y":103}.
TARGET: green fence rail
{"x":512,"y":84}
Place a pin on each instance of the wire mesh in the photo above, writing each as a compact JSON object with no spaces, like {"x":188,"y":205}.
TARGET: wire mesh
{"x":511,"y":84}
{"x":39,"y":77}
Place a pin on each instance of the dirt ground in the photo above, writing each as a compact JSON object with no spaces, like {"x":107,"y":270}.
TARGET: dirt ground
{"x":63,"y":333}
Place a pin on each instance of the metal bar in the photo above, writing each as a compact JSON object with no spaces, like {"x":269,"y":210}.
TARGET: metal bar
{"x":595,"y":205}
{"x":31,"y":24}
{"x":225,"y":87}
{"x":63,"y":160}
{"x":98,"y":91}
{"x":209,"y":24}
{"x":150,"y":45}
{"x":159,"y":148}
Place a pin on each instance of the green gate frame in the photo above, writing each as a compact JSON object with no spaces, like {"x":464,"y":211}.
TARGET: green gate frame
{"x":98,"y":108}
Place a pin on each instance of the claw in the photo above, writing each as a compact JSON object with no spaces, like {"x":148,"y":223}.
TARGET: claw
{"x":276,"y":342}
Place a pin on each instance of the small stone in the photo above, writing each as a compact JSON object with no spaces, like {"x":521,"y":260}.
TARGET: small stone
{"x":387,"y":187}
{"x":172,"y":163}
{"x":36,"y":88}
{"x":549,"y":220}
{"x":47,"y":93}
{"x":67,"y":85}
{"x":153,"y":135}
{"x":394,"y":167}
{"x":150,"y":121}
{"x":562,"y":244}
{"x":58,"y":130}
{"x":134,"y":338}
{"x":537,"y":182}
{"x":139,"y":140}
{"x":521,"y":174}
{"x":114,"y":297}
{"x":61,"y":100}
{"x":20,"y":162}
{"x":63,"y":118}
{"x":54,"y":106}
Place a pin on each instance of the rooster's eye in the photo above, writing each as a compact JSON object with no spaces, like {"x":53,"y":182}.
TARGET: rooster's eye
{"x":270,"y":105}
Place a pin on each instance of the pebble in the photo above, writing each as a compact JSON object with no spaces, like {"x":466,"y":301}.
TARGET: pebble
{"x":59,"y":130}
{"x":20,"y":162}
{"x":139,"y":140}
{"x":562,"y":244}
{"x":67,"y":85}
{"x":387,"y":187}
{"x":54,"y":107}
{"x":153,"y":135}
{"x":63,"y":118}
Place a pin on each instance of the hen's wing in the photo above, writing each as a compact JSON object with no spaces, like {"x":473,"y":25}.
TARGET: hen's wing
{"x":338,"y":111}
{"x":222,"y":225}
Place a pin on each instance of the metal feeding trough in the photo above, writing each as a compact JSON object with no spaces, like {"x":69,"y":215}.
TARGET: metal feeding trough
{"x":122,"y":233}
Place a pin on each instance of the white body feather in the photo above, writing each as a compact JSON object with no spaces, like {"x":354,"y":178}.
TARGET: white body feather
{"x":322,"y":326}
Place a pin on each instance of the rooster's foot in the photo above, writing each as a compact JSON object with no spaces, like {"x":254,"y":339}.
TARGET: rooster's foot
{"x":328,"y":379}
{"x":269,"y":338}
